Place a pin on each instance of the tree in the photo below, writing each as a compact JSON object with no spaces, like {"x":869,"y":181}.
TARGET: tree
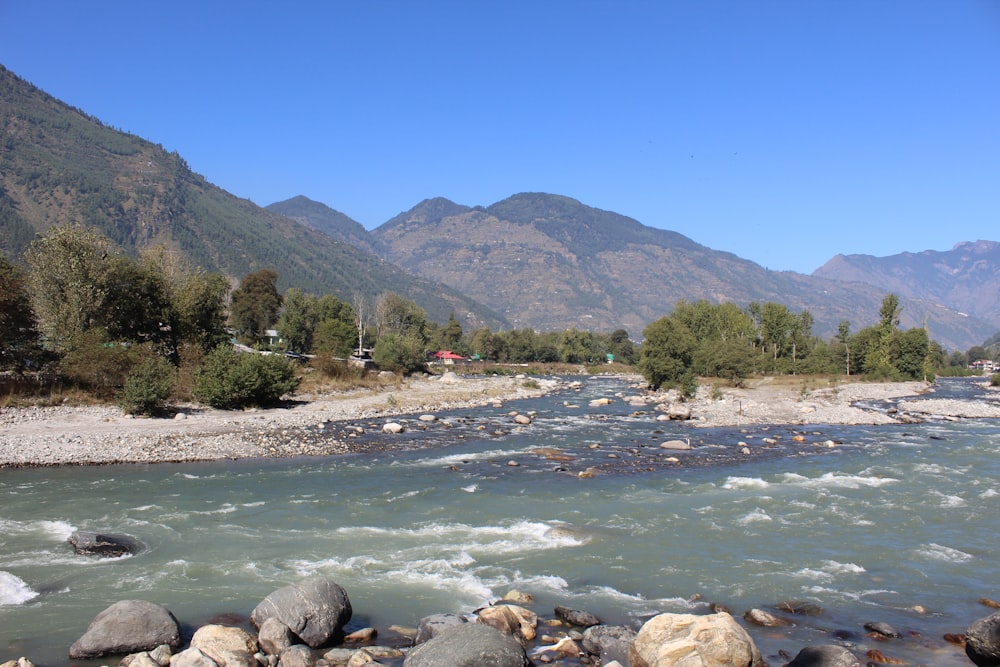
{"x":878,"y":359}
{"x":844,"y":338}
{"x":399,"y":353}
{"x":255,"y":304}
{"x":449,"y":337}
{"x":297,"y":324}
{"x":910,"y":353}
{"x":622,"y":347}
{"x":68,"y":267}
{"x":199,"y":300}
{"x":667,"y":352}
{"x":396,"y":315}
{"x":18,"y":335}
{"x":136,"y":304}
{"x":336,"y":327}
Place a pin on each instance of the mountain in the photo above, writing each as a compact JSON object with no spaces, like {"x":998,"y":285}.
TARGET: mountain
{"x":59,"y":165}
{"x":324,"y":219}
{"x":967,"y":277}
{"x":550,"y":262}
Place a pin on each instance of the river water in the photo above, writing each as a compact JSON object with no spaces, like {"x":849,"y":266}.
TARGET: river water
{"x":895,"y":524}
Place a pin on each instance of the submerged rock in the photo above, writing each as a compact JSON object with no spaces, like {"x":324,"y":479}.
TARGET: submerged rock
{"x":88,"y":543}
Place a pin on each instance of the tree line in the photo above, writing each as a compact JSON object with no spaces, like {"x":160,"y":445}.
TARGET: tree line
{"x":87,"y":314}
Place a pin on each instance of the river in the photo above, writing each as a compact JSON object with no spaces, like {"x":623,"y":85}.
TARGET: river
{"x":894,"y":524}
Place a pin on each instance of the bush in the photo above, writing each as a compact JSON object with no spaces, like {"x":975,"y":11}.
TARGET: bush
{"x":995,"y":380}
{"x":147,"y":386}
{"x":230,"y":380}
{"x":399,"y":354}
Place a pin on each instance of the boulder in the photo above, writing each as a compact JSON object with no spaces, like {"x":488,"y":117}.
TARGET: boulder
{"x":675,"y":444}
{"x":468,"y":645}
{"x":825,"y":655}
{"x":231,"y":647}
{"x":764,"y":619}
{"x":510,"y":619}
{"x":87,"y":543}
{"x":432,"y":626}
{"x":576,"y":617}
{"x":274,"y":636}
{"x":715,"y":640}
{"x":982,"y":641}
{"x":610,"y":642}
{"x":296,"y":656}
{"x":450,"y":377}
{"x":883,"y":630}
{"x":679,"y":412}
{"x":392,"y":427}
{"x":315,"y":610}
{"x":192,"y":657}
{"x":128,"y":626}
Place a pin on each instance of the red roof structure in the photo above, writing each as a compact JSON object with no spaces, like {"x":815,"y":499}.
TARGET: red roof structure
{"x":447,"y":354}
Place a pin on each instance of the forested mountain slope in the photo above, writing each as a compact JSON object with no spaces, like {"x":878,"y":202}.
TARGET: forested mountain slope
{"x":58,"y":165}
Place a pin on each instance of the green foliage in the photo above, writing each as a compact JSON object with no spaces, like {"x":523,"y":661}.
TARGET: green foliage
{"x":995,"y":380}
{"x":255,"y":304}
{"x":297,"y":323}
{"x":400,"y":354}
{"x":147,"y":386}
{"x":68,"y":280}
{"x":229,"y":380}
{"x":666,"y":353}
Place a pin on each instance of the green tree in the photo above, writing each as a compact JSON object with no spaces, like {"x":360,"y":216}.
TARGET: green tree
{"x":400,"y":353}
{"x":396,"y":315}
{"x":18,"y":334}
{"x":66,"y":278}
{"x":666,"y":357}
{"x":199,"y":300}
{"x":336,"y":327}
{"x":879,"y":356}
{"x":622,"y":347}
{"x":136,"y":305}
{"x":910,"y":352}
{"x":449,"y":336}
{"x":297,"y":323}
{"x":255,"y":304}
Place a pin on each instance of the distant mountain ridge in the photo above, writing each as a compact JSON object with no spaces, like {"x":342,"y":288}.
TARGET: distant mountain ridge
{"x":550,"y":262}
{"x":967,"y":277}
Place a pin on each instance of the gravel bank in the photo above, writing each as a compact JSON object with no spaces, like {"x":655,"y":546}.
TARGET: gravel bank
{"x":104,"y":434}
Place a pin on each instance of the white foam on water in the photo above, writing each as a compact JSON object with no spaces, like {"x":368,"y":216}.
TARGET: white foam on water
{"x":939,"y":552}
{"x":225,"y":508}
{"x":989,"y":493}
{"x":745,"y":483}
{"x":472,"y":488}
{"x":518,"y":537}
{"x":756,"y":516}
{"x":951,"y":500}
{"x":837,"y":480}
{"x":403,"y":496}
{"x":13,"y":590}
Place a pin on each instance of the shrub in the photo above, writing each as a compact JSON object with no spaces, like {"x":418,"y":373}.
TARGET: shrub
{"x":995,"y":380}
{"x":147,"y":386}
{"x":230,"y":380}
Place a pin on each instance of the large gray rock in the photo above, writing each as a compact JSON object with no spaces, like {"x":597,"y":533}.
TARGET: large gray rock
{"x":982,"y":641}
{"x":87,"y":543}
{"x":610,"y":642}
{"x":315,"y":610}
{"x":825,"y":655}
{"x":686,"y":640}
{"x":128,"y":626}
{"x":433,"y":625}
{"x":469,"y":645}
{"x":577,"y":617}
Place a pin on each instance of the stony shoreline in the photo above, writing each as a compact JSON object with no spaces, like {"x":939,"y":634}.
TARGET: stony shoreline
{"x":94,"y":435}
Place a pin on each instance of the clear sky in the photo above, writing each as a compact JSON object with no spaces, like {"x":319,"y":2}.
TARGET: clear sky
{"x":784,"y":131}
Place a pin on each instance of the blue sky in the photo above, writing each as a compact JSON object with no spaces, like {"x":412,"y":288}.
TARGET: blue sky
{"x":784,"y":131}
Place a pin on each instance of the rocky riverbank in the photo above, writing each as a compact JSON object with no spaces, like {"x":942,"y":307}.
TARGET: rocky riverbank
{"x":91,"y":435}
